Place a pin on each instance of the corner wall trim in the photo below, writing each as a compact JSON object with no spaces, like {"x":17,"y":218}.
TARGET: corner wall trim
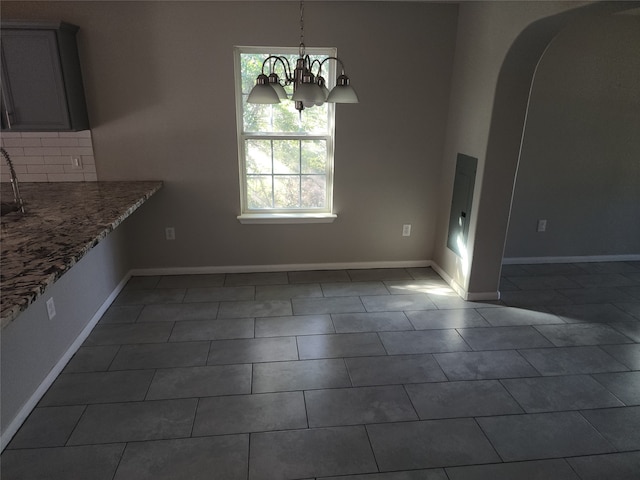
{"x":296,"y":267}
{"x":31,"y":403}
{"x":571,"y":259}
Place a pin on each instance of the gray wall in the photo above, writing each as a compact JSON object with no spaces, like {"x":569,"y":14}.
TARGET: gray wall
{"x":580,"y":161}
{"x":34,"y":348}
{"x":160,"y":88}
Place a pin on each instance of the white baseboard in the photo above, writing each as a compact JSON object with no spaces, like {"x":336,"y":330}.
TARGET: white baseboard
{"x":31,"y":403}
{"x":296,"y":267}
{"x":571,"y":259}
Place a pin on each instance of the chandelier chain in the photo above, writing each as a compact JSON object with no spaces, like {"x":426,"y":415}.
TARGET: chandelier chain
{"x":301,"y":28}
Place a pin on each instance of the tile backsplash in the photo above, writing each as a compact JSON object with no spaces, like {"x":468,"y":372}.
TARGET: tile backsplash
{"x":50,"y":156}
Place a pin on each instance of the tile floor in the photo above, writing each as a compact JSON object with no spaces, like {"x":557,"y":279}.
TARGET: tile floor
{"x":352,"y":375}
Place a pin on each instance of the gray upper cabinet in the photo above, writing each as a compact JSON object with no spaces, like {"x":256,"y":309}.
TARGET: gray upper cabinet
{"x":42,"y":86}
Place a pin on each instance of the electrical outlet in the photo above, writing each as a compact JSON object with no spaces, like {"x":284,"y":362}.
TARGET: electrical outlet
{"x":76,"y":162}
{"x":170,"y":233}
{"x":406,"y":230}
{"x":542,"y":226}
{"x":51,"y":308}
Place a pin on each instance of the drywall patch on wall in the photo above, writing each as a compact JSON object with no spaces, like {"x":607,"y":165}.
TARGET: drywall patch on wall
{"x":50,"y":156}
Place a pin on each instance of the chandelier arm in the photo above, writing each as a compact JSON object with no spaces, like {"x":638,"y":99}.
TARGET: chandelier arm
{"x":336,"y":59}
{"x":286,"y":66}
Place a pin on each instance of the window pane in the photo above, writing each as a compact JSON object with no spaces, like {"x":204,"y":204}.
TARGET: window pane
{"x":286,"y":191}
{"x":286,"y":156}
{"x":314,"y":156}
{"x":258,"y":153}
{"x":314,"y":191}
{"x":259,"y":191}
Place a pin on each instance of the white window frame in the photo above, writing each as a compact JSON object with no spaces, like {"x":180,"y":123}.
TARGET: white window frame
{"x":275,"y":215}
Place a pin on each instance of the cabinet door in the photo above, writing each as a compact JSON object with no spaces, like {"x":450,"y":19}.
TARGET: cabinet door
{"x":33,"y":90}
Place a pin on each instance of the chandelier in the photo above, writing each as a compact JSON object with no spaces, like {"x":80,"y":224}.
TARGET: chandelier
{"x":309,"y":89}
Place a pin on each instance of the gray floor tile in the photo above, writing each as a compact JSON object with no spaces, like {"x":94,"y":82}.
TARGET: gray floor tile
{"x":374,"y":274}
{"x":543,"y":435}
{"x":572,"y":360}
{"x":200,"y":382}
{"x":191,"y":281}
{"x":422,"y":272}
{"x":506,"y":285}
{"x":320,"y":306}
{"x":503,"y":338}
{"x":293,"y":325}
{"x":511,"y":316}
{"x":252,"y":350}
{"x":129,"y":334}
{"x":439,"y":319}
{"x":355,"y":406}
{"x":453,"y":301}
{"x":398,"y":303}
{"x":553,"y":269}
{"x":317,"y":452}
{"x":510,"y":270}
{"x":431,"y":474}
{"x":423,"y":341}
{"x":212,"y":330}
{"x":219,"y":294}
{"x":621,"y":466}
{"x":92,"y":359}
{"x":604,"y":313}
{"x":250,"y":413}
{"x":135,"y":421}
{"x":596,"y":295}
{"x":602,"y":280}
{"x":461,"y":399}
{"x":629,"y":355}
{"x":548,"y":394}
{"x":620,"y":426}
{"x":543,"y":282}
{"x":484,"y":365}
{"x":319,"y":276}
{"x":353,"y":289}
{"x":430,"y":443}
{"x":286,"y":292}
{"x":47,"y":427}
{"x":633,"y":292}
{"x":179,"y":312}
{"x":161,"y":355}
{"x":121,"y":314}
{"x":340,"y":345}
{"x":582,"y":334}
{"x":266,"y":308}
{"x":259,"y":278}
{"x":629,"y":329}
{"x":150,"y":295}
{"x":392,"y":370}
{"x":533,"y":470}
{"x":624,"y":385}
{"x":608,"y":267}
{"x":142,"y":282}
{"x":300,"y":375}
{"x":431,"y":285}
{"x":370,"y":322}
{"x":192,"y":458}
{"x":528,"y":298}
{"x":632,"y":308}
{"x":98,"y":387}
{"x":97,"y":462}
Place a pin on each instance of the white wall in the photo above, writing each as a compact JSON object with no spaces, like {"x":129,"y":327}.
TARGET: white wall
{"x":160,"y":91}
{"x":580,"y":161}
{"x":35,"y":349}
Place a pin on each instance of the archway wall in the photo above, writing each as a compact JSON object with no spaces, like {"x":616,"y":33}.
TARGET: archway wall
{"x":498,"y":47}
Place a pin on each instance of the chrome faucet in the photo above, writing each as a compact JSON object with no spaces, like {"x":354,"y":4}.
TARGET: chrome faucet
{"x":17,"y":199}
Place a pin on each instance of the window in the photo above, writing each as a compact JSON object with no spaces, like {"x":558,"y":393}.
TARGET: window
{"x":285,"y":156}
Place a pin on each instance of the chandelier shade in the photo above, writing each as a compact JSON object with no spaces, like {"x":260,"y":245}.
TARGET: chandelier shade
{"x":309,"y":89}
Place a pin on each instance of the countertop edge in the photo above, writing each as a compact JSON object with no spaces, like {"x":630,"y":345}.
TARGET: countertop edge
{"x":12,"y":312}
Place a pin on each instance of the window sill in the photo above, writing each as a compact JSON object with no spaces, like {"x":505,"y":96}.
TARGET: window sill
{"x":284,"y":218}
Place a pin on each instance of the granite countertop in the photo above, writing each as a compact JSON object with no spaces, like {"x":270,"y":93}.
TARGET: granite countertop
{"x":63,"y":221}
